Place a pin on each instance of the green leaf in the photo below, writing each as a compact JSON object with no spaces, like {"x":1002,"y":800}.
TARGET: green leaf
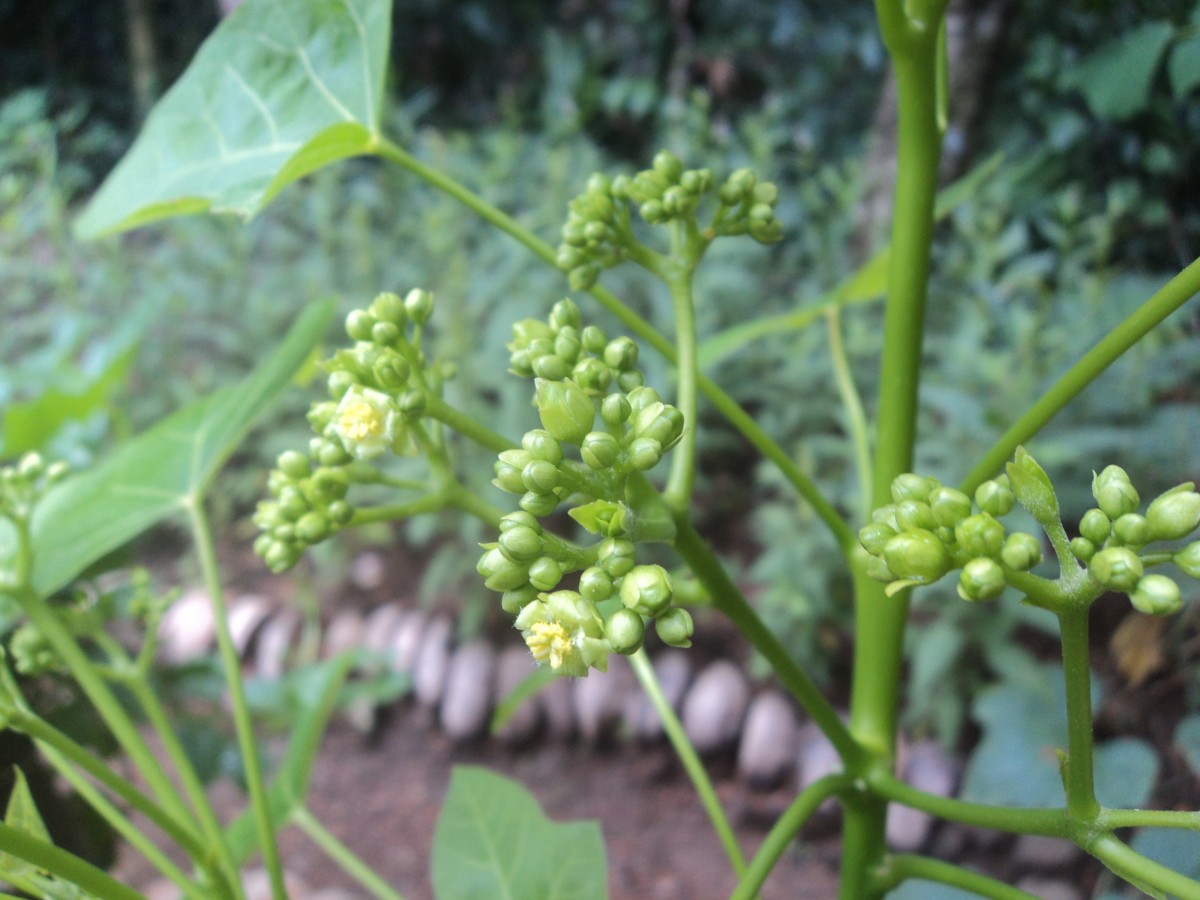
{"x":1125,"y":771}
{"x":1187,"y":739}
{"x":526,"y":689}
{"x":28,"y":426}
{"x":22,"y":813}
{"x":314,"y":692}
{"x":278,"y":90}
{"x":1183,"y":67}
{"x":492,"y":840}
{"x":162,"y":471}
{"x":1116,"y":79}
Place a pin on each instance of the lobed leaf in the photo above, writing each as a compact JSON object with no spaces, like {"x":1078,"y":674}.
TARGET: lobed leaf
{"x":492,"y":840}
{"x":278,"y":90}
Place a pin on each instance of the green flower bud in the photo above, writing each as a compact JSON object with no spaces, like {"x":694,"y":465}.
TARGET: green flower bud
{"x":875,"y":536}
{"x":1188,"y":559}
{"x":280,"y":557}
{"x":501,"y":573}
{"x":645,"y":454}
{"x":508,"y":478}
{"x":293,"y":464}
{"x":384,"y":334}
{"x":1156,"y":595}
{"x":1032,"y":488}
{"x":980,"y":535}
{"x":917,"y":556}
{"x":668,"y":165}
{"x":768,"y":232}
{"x":565,"y":314}
{"x":339,"y":382}
{"x":330,"y":484}
{"x":621,"y":353}
{"x":877,"y":569}
{"x":57,"y":471}
{"x":625,"y":630}
{"x":647,"y":590}
{"x":696,"y":181}
{"x":1117,"y":568}
{"x":388,"y":307}
{"x":653,"y":212}
{"x":615,"y":556}
{"x":766,"y":192}
{"x":995,"y":498}
{"x":592,"y":375}
{"x":949,"y":506}
{"x":1095,"y":526}
{"x":567,"y":412}
{"x":551,"y":367}
{"x":540,"y":477}
{"x":567,"y":343}
{"x":1083,"y":549}
{"x":340,"y":512}
{"x":886,"y":515}
{"x":538,"y":504}
{"x":526,"y":331}
{"x":412,"y":403}
{"x":359,"y":324}
{"x":595,"y":585}
{"x":1132,"y":530}
{"x":593,"y":339}
{"x":312,"y":528}
{"x":1175,"y":514}
{"x":292,"y":503}
{"x":981,"y":579}
{"x":650,"y":184}
{"x":641,"y":397}
{"x":913,"y":514}
{"x":628,"y":381}
{"x":569,"y":257}
{"x":583,"y":278}
{"x":419,"y":305}
{"x":521,"y":544}
{"x":600,"y":450}
{"x":542,"y":445}
{"x":910,"y":486}
{"x":518,"y":519}
{"x":599,"y":183}
{"x":1021,"y":551}
{"x":1114,"y":492}
{"x":512,"y":602}
{"x":615,"y":409}
{"x":545,"y":573}
{"x":596,"y":233}
{"x":675,"y":627}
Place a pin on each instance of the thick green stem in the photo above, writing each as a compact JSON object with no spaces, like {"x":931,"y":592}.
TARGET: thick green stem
{"x":1081,"y":793}
{"x":729,"y":600}
{"x":678,"y":492}
{"x":1049,"y":822}
{"x":904,"y":867}
{"x":689,"y":758}
{"x":879,"y":620}
{"x":1169,"y":298}
{"x":468,"y":427}
{"x":724,"y":404}
{"x":342,"y":855}
{"x":394,"y":512}
{"x":785,"y":829}
{"x":1148,"y":818}
{"x":243,"y":725}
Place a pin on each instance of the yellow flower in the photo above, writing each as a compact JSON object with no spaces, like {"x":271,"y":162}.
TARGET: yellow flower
{"x":366,"y":421}
{"x":550,"y":642}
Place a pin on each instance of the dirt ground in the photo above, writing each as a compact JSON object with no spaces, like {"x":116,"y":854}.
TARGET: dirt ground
{"x":381,"y":795}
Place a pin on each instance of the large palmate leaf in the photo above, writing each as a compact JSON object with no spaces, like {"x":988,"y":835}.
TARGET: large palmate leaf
{"x":492,"y":840}
{"x":162,"y":471}
{"x":281,"y":88}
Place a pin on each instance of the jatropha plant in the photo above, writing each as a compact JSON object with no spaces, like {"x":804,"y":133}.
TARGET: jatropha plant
{"x":281,"y":89}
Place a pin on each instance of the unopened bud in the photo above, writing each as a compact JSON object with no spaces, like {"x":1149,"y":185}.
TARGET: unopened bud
{"x":1117,"y":568}
{"x":1156,"y":595}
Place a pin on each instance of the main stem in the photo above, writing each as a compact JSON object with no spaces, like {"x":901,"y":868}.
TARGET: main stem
{"x":880,"y":620}
{"x":1081,"y":795}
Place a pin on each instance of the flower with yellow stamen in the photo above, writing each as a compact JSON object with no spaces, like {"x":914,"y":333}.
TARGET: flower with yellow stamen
{"x":367,"y":422}
{"x":564,"y":631}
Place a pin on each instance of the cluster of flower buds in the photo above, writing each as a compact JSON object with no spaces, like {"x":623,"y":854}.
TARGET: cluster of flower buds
{"x":589,"y":396}
{"x":22,"y":483}
{"x":377,"y":388}
{"x":929,"y":530}
{"x":1113,"y":536}
{"x":598,"y":233}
